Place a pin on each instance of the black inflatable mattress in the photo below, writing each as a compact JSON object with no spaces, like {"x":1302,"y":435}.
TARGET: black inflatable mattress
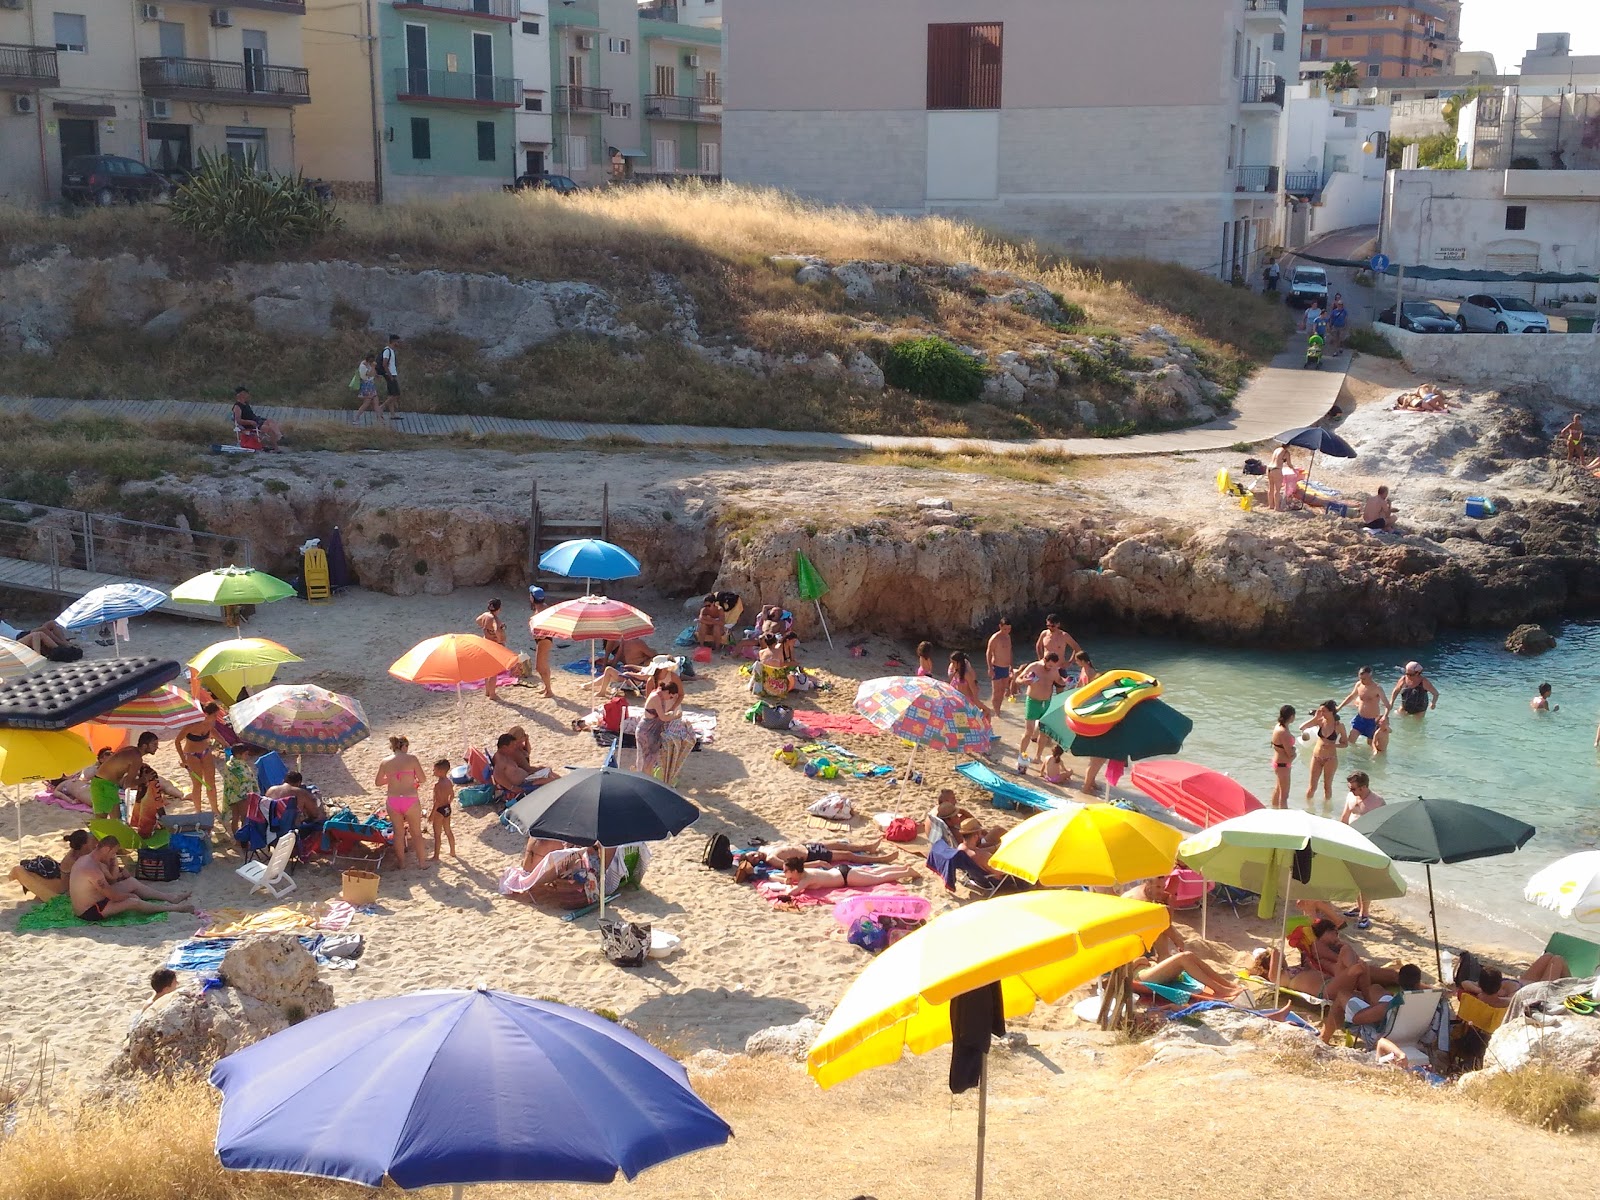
{"x":63,"y":695}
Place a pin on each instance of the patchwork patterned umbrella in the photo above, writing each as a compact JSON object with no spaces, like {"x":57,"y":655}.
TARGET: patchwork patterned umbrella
{"x":925,"y":712}
{"x":17,"y":660}
{"x":164,"y":711}
{"x":300,"y":718}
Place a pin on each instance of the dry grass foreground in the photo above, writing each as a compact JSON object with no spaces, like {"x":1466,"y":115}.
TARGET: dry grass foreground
{"x":1067,"y":1120}
{"x":716,"y":241}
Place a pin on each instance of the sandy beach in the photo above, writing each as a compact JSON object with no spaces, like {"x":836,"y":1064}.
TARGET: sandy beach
{"x":744,"y":964}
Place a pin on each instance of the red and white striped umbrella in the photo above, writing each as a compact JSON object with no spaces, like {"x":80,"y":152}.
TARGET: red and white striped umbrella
{"x":165,"y":711}
{"x":591,"y":618}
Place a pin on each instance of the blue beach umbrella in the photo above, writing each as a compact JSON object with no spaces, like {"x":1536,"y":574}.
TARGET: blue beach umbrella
{"x":450,"y":1088}
{"x":589,"y":558}
{"x":110,"y":602}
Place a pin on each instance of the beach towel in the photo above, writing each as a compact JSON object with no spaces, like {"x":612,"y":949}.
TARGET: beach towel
{"x":838,"y":723}
{"x":581,"y":667}
{"x":236,"y":922}
{"x":1208,"y":1005}
{"x":60,"y":801}
{"x":339,"y":915}
{"x":56,"y":913}
{"x":773,"y":892}
{"x":203,"y":956}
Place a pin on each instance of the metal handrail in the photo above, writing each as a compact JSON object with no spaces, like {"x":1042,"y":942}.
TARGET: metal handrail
{"x":142,"y":556}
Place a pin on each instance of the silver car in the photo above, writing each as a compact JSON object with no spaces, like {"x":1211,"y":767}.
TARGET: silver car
{"x":1500,"y":314}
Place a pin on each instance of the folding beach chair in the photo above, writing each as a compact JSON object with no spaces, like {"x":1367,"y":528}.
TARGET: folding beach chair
{"x":1008,"y":793}
{"x":273,"y":875}
{"x":1414,"y":1025}
{"x":1479,"y":1019}
{"x":1583,"y":957}
{"x":948,"y":861}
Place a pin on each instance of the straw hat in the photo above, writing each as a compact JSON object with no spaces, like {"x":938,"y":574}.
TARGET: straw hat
{"x":662,"y":662}
{"x":971,"y":825}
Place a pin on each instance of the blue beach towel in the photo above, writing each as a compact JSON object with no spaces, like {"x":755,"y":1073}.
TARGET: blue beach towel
{"x":1207,"y":1005}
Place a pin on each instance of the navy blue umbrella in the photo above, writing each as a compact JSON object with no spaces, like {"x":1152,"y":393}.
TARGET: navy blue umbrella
{"x":1319,"y":441}
{"x":449,"y":1088}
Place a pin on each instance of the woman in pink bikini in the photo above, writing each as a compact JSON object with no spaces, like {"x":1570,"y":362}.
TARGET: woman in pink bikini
{"x":401,"y":775}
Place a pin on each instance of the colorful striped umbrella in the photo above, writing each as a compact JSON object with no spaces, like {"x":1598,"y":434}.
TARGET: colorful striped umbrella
{"x":925,"y":712}
{"x":300,"y":718}
{"x":163,"y":711}
{"x":591,"y":618}
{"x":17,"y":660}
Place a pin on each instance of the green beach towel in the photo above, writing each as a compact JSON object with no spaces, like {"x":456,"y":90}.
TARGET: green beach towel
{"x":56,"y":913}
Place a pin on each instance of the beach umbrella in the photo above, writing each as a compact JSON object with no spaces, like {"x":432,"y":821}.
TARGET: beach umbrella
{"x":602,"y":807}
{"x":591,"y":619}
{"x":17,"y":660}
{"x":451,"y":1088}
{"x":1193,"y":792}
{"x":1319,"y":441}
{"x":453,"y":659}
{"x":926,"y":712}
{"x":1570,"y":886}
{"x":1327,"y":859}
{"x":27,"y":754}
{"x":229,"y":587}
{"x":1441,"y":831}
{"x":163,"y":711}
{"x":110,"y":603}
{"x":1037,"y":946}
{"x":812,"y":587}
{"x":1087,"y":845}
{"x":228,"y":667}
{"x":103,"y":737}
{"x":300,"y":718}
{"x":589,"y":558}
{"x":1151,"y":728}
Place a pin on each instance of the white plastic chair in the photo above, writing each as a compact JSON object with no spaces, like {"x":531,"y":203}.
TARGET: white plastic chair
{"x":273,"y":875}
{"x":1410,"y":1023}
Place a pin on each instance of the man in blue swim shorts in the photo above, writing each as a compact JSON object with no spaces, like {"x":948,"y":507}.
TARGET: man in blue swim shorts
{"x":1371,"y":705}
{"x":998,"y":656}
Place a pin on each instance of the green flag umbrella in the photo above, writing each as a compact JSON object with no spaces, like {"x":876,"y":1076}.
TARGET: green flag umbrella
{"x":812,"y":587}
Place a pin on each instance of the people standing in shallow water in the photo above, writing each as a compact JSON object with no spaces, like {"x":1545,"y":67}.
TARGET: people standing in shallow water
{"x":1330,"y":735}
{"x":1415,"y":691}
{"x":1541,"y":702}
{"x":1283,"y":752}
{"x":1372,"y":711}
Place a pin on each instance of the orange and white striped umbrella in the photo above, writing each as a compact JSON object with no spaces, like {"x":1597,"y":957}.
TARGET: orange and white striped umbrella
{"x":591,"y":618}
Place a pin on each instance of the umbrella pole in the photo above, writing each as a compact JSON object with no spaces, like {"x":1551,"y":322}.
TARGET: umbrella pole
{"x":983,"y":1123}
{"x":824,"y":621}
{"x":1205,"y":907}
{"x":600,"y":861}
{"x":1283,"y":935}
{"x":461,"y":717}
{"x":1433,"y":917}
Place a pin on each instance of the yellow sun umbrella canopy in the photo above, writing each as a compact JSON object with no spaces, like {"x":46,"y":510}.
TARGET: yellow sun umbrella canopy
{"x":1037,"y":945}
{"x":225,"y":668}
{"x":41,"y":754}
{"x":1087,"y":845}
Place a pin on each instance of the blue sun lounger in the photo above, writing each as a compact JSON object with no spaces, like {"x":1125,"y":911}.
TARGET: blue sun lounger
{"x":1008,"y":793}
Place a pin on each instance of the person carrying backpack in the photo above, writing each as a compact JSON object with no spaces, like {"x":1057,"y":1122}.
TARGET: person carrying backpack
{"x":389,"y":368}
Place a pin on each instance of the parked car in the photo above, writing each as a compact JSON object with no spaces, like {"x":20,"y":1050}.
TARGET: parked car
{"x":1420,"y":316}
{"x":562,"y":185}
{"x":1500,"y":314}
{"x":107,"y":178}
{"x":1308,"y":285}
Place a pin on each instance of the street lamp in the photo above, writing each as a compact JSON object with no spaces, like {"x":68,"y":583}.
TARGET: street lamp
{"x":1377,"y":143}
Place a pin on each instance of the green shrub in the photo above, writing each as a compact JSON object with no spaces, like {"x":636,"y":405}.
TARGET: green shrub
{"x":934,"y":369}
{"x":1365,"y":341}
{"x":1073,"y":316}
{"x":241,"y":212}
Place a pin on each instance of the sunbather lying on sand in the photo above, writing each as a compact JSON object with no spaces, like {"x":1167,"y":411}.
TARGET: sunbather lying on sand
{"x":1266,"y":964}
{"x":800,"y":878}
{"x":822,"y":852}
{"x":1168,"y":970}
{"x":1427,"y":398}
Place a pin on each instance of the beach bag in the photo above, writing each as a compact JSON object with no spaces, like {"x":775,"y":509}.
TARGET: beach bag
{"x":835,"y":806}
{"x":901,"y":829}
{"x":355,"y":381}
{"x":157,"y":865}
{"x":718,"y":852}
{"x":612,"y":713}
{"x":776,"y":716}
{"x":43,"y":866}
{"x":476,"y":796}
{"x":193,"y":852}
{"x":625,"y":942}
{"x":868,"y":934}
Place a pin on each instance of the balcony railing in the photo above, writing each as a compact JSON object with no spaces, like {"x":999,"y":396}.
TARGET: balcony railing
{"x":412,"y":84}
{"x":678,"y":108}
{"x":1261,"y":89}
{"x":28,"y":66}
{"x":1255,"y":179}
{"x":583,"y":99}
{"x":487,"y":10}
{"x":1267,"y":8}
{"x":212,"y":79}
{"x":1302,"y":183}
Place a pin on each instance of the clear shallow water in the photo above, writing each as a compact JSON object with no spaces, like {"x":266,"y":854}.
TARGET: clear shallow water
{"x":1483,"y":745}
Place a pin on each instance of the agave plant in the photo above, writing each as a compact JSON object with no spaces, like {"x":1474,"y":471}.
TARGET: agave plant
{"x":245,"y":213}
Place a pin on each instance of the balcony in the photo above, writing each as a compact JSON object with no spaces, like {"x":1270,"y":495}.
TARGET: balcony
{"x":1269,"y":14}
{"x":583,"y":100}
{"x":292,"y":7}
{"x":1305,"y":184}
{"x":28,"y":67}
{"x":679,"y":108}
{"x":1261,"y":90}
{"x":212,"y":80}
{"x":504,"y":11}
{"x":413,"y":85}
{"x":1256,"y":179}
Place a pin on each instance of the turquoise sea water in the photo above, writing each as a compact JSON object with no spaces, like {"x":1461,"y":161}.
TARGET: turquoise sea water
{"x":1483,"y":744}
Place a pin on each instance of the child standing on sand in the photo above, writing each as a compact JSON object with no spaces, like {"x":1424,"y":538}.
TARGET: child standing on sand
{"x":444,"y":794}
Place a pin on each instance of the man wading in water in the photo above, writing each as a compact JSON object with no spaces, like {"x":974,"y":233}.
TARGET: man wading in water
{"x":1371,"y":709}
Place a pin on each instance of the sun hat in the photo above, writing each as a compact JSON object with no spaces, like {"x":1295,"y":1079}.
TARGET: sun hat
{"x":536,"y":592}
{"x":1413,"y":668}
{"x":662,"y":662}
{"x":971,"y":825}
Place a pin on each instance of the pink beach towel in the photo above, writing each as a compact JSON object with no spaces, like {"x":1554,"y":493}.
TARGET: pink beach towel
{"x":773,"y":893}
{"x":61,"y":801}
{"x":839,"y":723}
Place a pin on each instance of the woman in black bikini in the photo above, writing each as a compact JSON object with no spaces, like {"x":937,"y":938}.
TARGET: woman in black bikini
{"x":1331,"y":737}
{"x":193,"y":745}
{"x":1282,"y":756}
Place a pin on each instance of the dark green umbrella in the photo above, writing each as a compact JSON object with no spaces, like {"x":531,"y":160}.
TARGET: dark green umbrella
{"x":1441,"y":831}
{"x":1150,"y":729}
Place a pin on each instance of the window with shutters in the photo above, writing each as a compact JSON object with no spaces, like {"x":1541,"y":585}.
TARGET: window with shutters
{"x":964,"y":66}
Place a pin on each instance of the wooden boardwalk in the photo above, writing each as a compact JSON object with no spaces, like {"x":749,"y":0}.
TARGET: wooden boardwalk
{"x":26,"y":576}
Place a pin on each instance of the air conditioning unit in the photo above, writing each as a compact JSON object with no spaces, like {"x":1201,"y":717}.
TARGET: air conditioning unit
{"x":691,"y":60}
{"x":585,"y":41}
{"x":222,"y":18}
{"x":158,"y":110}
{"x":149,"y":12}
{"x":24,"y":104}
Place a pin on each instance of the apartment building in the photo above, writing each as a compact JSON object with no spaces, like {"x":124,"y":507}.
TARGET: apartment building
{"x":638,"y":90}
{"x":1335,"y":157}
{"x":1057,"y":119}
{"x":1397,"y":40}
{"x":157,"y":82}
{"x":421,"y":99}
{"x":530,"y":58}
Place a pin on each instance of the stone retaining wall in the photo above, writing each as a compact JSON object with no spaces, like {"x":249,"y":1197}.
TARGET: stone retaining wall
{"x":1566,"y":365}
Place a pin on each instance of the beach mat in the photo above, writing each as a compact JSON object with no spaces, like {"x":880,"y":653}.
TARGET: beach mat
{"x":838,"y":723}
{"x":773,"y":893}
{"x":56,"y":913}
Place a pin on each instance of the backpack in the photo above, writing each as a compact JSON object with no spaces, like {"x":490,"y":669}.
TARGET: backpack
{"x":718,"y":852}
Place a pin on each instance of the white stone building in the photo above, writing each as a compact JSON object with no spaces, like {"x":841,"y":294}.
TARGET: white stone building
{"x":530,"y":63}
{"x":1334,"y":158}
{"x":1149,"y":129}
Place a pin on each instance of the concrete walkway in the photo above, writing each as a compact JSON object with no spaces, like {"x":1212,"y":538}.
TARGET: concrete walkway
{"x":1281,"y":396}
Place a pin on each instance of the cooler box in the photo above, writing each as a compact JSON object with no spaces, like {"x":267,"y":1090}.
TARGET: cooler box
{"x":1480,"y":506}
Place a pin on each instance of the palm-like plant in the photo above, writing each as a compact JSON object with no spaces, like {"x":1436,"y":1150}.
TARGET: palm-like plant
{"x":1341,"y":75}
{"x":245,"y":213}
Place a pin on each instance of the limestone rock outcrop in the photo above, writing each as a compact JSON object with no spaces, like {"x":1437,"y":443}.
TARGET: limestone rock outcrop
{"x":1530,"y":639}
